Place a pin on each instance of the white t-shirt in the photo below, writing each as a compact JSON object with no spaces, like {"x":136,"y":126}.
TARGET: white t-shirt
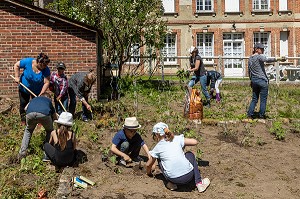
{"x":172,"y":157}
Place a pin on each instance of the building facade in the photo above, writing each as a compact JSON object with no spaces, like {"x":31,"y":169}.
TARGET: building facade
{"x":230,"y":28}
{"x":26,"y":30}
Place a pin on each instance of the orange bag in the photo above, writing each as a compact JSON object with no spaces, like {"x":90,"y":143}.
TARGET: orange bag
{"x":196,"y":106}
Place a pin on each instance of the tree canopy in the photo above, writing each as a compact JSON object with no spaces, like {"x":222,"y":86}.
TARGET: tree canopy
{"x":125,"y":24}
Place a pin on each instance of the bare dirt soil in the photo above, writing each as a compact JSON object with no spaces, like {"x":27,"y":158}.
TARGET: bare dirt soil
{"x":245,"y":161}
{"x":242,"y":160}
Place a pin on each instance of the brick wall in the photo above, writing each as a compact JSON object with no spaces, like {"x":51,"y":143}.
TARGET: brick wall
{"x":25,"y":33}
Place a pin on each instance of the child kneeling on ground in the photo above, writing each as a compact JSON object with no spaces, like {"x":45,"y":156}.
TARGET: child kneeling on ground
{"x":176,"y":166}
{"x":127,"y":143}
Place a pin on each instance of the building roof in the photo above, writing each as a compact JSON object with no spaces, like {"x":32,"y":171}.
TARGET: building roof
{"x":53,"y":15}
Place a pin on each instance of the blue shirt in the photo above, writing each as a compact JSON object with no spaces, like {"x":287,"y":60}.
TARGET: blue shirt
{"x":41,"y":105}
{"x":172,"y":157}
{"x":120,"y":137}
{"x":33,"y":81}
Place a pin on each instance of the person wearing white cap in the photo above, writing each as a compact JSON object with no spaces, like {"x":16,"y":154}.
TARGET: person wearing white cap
{"x":197,"y":66}
{"x":61,"y":148}
{"x":177,"y":167}
{"x":127,"y":143}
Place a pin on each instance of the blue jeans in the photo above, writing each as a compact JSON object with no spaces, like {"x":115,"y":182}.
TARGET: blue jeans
{"x":260,"y":89}
{"x":203,"y":82}
{"x":194,"y":174}
{"x":64,"y":100}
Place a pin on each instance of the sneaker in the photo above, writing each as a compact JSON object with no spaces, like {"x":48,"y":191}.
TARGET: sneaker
{"x":84,"y":118}
{"x":46,"y":158}
{"x":171,"y":186}
{"x":202,"y":186}
{"x":137,"y":159}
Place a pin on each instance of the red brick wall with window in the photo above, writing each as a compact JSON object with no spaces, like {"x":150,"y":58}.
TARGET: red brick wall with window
{"x":25,"y":33}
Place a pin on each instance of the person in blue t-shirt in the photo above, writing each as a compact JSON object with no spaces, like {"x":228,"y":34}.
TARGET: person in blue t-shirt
{"x":127,"y":143}
{"x":35,"y":76}
{"x":39,"y":111}
{"x":176,"y":166}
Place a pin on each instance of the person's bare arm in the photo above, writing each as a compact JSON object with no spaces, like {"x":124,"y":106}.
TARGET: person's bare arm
{"x":51,"y":137}
{"x":146,"y":149}
{"x":190,"y":142}
{"x":116,"y":151}
{"x":149,"y":165}
{"x":197,"y":65}
{"x":46,"y":85}
{"x":86,"y":104}
{"x":17,"y":72}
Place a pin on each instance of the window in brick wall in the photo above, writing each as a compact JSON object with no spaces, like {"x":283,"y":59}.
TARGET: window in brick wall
{"x":264,"y":38}
{"x":232,"y":5}
{"x":284,"y":44}
{"x":169,"y":50}
{"x":169,"y":6}
{"x":135,"y":54}
{"x":283,"y":5}
{"x":263,"y":5}
{"x":205,"y":45}
{"x":204,"y":5}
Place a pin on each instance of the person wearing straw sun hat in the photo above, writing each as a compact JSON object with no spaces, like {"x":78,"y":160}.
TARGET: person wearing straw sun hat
{"x":61,"y":148}
{"x":127,"y":143}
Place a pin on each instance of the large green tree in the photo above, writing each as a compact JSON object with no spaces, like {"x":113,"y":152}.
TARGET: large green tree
{"x":124,"y":23}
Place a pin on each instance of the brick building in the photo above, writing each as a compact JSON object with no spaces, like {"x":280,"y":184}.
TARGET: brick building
{"x":230,"y":28}
{"x":27,"y":30}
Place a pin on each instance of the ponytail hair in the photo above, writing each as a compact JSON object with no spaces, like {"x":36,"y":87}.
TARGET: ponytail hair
{"x":62,"y":136}
{"x":169,"y":136}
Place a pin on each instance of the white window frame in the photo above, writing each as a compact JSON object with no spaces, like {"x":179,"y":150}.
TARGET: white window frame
{"x":284,"y":43}
{"x":204,"y":5}
{"x":283,"y":5}
{"x":205,"y":45}
{"x":265,"y":39}
{"x":134,"y":54}
{"x":232,"y":5}
{"x":261,"y":5}
{"x":234,"y":40}
{"x":169,"y":51}
{"x":169,"y":6}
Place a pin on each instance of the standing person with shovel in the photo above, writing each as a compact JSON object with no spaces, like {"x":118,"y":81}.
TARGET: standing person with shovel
{"x":80,"y":85}
{"x":35,"y":76}
{"x":59,"y":86}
